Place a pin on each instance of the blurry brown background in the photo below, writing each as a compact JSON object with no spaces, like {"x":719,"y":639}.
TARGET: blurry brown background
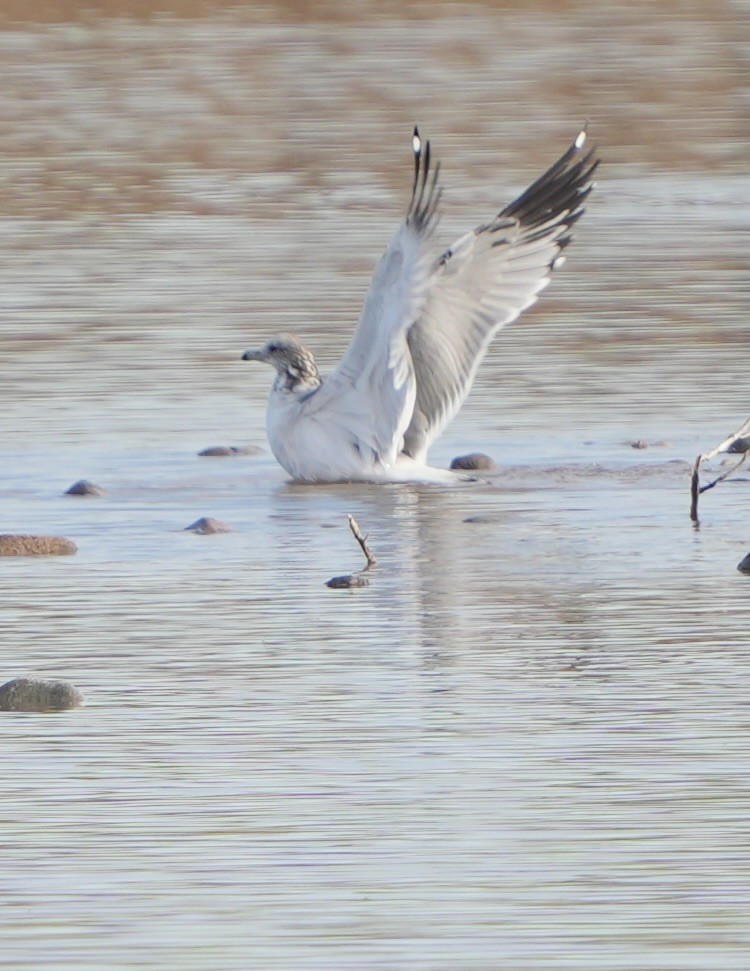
{"x":111,"y":106}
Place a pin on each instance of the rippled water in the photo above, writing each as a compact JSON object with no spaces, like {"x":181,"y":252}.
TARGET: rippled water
{"x":524,"y":745}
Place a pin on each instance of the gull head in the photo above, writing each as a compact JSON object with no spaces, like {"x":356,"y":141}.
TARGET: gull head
{"x":294,"y":363}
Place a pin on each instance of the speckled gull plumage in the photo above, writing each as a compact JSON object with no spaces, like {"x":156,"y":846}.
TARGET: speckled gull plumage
{"x":424,"y":329}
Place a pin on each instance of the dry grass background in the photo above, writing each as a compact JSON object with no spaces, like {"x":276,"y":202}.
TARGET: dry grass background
{"x":125,"y":107}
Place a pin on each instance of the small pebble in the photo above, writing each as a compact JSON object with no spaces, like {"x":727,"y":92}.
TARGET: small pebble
{"x":744,"y":565}
{"x":85,"y":488}
{"x":481,"y":519}
{"x":348,"y":581}
{"x":216,"y":451}
{"x":639,"y":443}
{"x":206,"y":526}
{"x":29,"y":694}
{"x":474,"y":462}
{"x":19,"y":544}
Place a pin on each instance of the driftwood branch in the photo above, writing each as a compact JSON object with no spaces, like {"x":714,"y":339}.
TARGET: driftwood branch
{"x":726,"y":445}
{"x":362,"y":540}
{"x":740,"y":437}
{"x":357,"y":579}
{"x":695,"y":490}
{"x":724,"y":475}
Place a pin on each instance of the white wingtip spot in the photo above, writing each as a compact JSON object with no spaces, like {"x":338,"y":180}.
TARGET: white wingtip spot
{"x":557,"y":262}
{"x":416,"y":144}
{"x":581,"y":140}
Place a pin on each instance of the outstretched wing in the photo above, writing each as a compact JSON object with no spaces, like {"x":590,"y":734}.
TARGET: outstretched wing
{"x":373,"y":388}
{"x":484,"y":281}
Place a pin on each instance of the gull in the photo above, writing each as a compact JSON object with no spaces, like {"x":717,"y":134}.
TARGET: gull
{"x":425,"y":327}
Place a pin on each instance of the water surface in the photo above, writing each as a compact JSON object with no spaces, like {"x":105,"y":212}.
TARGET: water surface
{"x":524,"y":745}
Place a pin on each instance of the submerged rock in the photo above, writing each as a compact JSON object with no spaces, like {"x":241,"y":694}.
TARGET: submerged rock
{"x":206,"y":526}
{"x":85,"y":488}
{"x":744,"y":565}
{"x":348,"y":581}
{"x":474,"y":462}
{"x":216,"y":451}
{"x":19,"y":544}
{"x":29,"y":694}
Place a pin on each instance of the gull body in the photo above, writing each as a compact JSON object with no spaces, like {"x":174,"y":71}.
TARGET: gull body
{"x":424,"y":329}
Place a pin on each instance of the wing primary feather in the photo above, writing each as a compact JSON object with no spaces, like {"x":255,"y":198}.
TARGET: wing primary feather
{"x":559,"y":166}
{"x":567,"y":191}
{"x":562,"y":187}
{"x":423,"y":181}
{"x":555,"y":205}
{"x":484,"y":281}
{"x":416,"y":144}
{"x":426,"y":191}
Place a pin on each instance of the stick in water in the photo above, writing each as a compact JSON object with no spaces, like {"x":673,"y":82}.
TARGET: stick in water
{"x":695,"y":487}
{"x":357,"y":579}
{"x":362,"y":540}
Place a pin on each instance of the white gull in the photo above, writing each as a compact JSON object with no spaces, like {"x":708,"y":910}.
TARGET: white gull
{"x":424,"y":329}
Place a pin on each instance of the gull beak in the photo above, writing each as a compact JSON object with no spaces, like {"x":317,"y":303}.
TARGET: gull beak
{"x":253,"y":356}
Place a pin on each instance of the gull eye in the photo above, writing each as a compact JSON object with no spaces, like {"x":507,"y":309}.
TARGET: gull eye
{"x":273,"y":348}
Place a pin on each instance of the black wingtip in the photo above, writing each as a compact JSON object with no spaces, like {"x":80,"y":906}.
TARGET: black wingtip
{"x":558,"y":195}
{"x":425,"y":192}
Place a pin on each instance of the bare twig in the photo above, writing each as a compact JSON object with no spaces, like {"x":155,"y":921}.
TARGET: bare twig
{"x":724,"y":475}
{"x":357,"y":579}
{"x":695,"y":491}
{"x":362,"y":540}
{"x":695,"y":487}
{"x":728,"y":442}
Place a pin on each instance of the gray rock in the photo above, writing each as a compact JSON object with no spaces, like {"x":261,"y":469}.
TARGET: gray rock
{"x":19,"y":544}
{"x":206,"y":526}
{"x":744,"y":565}
{"x":348,"y":581}
{"x":217,"y":451}
{"x":474,"y":462}
{"x":29,"y":694}
{"x":85,"y":488}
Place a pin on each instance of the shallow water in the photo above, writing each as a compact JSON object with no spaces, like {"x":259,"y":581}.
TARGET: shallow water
{"x":524,"y":745}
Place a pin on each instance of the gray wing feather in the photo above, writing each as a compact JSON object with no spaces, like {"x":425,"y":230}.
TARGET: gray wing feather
{"x":484,"y":281}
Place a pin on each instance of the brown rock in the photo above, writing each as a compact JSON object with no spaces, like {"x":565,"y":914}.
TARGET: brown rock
{"x":474,"y":462}
{"x":29,"y":694}
{"x":19,"y":544}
